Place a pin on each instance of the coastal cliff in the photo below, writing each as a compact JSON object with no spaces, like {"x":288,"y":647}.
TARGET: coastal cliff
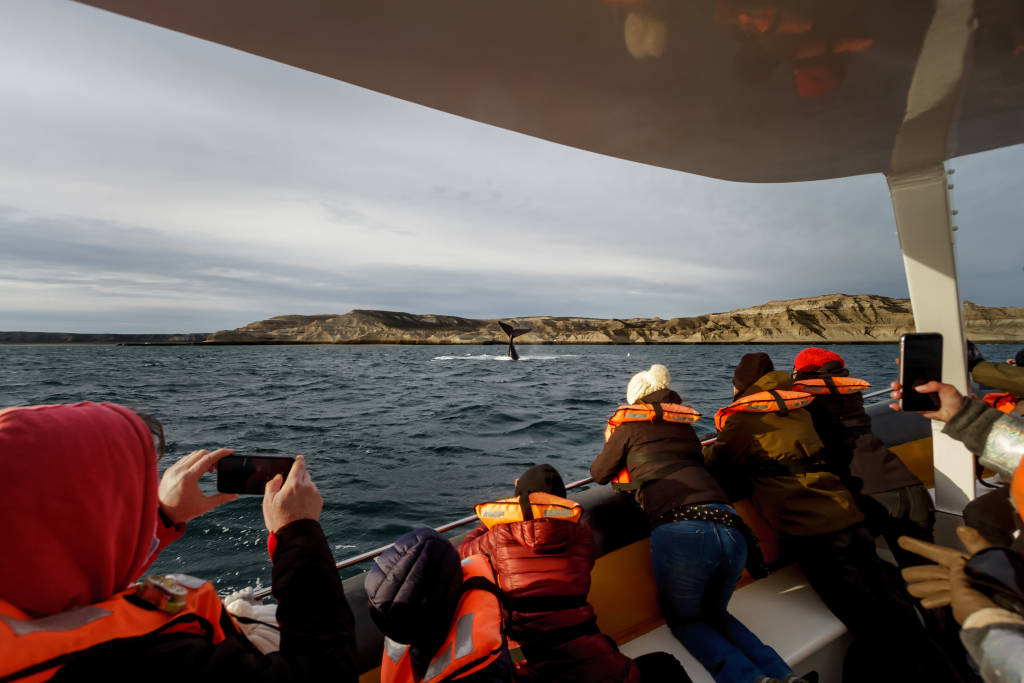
{"x":838,"y":318}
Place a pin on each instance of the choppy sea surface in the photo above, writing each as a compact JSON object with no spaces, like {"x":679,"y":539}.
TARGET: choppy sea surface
{"x":396,"y":437}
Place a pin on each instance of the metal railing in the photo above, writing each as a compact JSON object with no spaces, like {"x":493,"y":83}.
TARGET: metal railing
{"x":370,"y":554}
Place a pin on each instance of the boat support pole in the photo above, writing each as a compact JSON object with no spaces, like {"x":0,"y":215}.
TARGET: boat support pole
{"x":919,"y":186}
{"x":921,"y":204}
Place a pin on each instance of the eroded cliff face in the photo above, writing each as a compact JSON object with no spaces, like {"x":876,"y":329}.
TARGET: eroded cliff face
{"x":830,"y":318}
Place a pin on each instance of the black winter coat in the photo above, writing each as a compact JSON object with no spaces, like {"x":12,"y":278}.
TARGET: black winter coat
{"x":852,"y":451}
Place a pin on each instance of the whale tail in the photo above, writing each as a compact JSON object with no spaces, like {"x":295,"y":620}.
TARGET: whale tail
{"x":512,"y":333}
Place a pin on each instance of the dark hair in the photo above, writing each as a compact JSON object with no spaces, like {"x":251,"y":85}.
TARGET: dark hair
{"x":156,"y":428}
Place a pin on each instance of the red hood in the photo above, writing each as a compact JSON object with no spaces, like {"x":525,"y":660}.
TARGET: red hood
{"x":79,"y":512}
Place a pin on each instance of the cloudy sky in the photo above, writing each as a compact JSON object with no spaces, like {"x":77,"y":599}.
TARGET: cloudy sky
{"x":152,"y":182}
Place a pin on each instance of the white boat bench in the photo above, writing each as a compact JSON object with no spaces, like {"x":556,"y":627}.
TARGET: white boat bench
{"x":784,"y":612}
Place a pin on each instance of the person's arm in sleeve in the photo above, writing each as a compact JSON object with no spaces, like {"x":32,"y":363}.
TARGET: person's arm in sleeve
{"x":725,"y":460}
{"x":612,"y":457}
{"x":1000,"y":376}
{"x":994,"y":638}
{"x":998,"y":438}
{"x":317,"y":627}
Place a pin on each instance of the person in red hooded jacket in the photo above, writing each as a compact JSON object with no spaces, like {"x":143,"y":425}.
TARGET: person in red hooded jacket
{"x":542,"y":559}
{"x":84,"y":516}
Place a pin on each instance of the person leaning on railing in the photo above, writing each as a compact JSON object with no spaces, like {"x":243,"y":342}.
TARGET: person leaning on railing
{"x":84,"y":516}
{"x":779,"y":454}
{"x":699,"y":545}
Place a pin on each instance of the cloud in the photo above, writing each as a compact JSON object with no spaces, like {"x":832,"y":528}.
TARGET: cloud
{"x":149,"y":172}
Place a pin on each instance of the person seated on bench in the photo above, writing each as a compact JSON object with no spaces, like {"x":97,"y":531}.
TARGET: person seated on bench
{"x":542,"y":554}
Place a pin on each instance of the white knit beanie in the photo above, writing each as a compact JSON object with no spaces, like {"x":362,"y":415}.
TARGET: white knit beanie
{"x":647,"y":382}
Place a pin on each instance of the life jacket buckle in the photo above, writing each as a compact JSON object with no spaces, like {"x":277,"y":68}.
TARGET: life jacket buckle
{"x":164,"y":593}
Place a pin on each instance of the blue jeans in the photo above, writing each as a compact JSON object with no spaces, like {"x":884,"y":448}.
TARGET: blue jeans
{"x":696,"y":567}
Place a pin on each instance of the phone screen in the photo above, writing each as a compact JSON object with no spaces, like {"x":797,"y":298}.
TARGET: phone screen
{"x":245,"y":473}
{"x":920,"y":363}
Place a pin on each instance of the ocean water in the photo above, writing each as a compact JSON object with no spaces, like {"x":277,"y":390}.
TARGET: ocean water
{"x":396,"y":437}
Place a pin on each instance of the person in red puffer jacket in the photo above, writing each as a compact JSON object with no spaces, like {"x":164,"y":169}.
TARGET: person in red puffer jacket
{"x":542,"y":554}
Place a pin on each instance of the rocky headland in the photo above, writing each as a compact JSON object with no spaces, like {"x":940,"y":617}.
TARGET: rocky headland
{"x":837,"y":318}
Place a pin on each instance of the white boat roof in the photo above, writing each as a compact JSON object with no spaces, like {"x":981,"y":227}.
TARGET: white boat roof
{"x":732,"y":89}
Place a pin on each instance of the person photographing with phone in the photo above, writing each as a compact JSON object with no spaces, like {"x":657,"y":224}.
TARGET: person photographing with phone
{"x":976,"y":582}
{"x":84,"y":516}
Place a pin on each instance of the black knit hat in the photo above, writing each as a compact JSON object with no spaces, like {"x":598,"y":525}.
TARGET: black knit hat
{"x":541,"y":479}
{"x":752,"y":367}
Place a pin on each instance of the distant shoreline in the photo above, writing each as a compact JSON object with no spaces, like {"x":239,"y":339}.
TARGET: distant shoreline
{"x":518,"y":344}
{"x":825,"y":319}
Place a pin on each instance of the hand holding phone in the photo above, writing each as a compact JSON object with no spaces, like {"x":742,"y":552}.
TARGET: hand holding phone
{"x":289,"y":501}
{"x":920,"y":363}
{"x":248,"y":473}
{"x":181,"y":499}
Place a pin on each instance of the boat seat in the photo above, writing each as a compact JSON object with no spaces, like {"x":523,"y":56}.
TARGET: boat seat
{"x":784,"y":612}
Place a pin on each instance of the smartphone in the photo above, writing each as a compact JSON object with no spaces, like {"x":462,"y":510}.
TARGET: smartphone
{"x":247,"y":473}
{"x":920,"y":363}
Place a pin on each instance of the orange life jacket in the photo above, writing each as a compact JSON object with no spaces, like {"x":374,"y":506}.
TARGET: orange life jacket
{"x":645,"y":412}
{"x":650,"y":412}
{"x":516,"y":509}
{"x":34,"y":649}
{"x":831,"y":385}
{"x":1003,"y":402}
{"x":475,"y":639}
{"x":773,"y":400}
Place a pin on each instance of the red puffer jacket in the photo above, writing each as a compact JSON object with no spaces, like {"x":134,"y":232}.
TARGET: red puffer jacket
{"x":543,"y":566}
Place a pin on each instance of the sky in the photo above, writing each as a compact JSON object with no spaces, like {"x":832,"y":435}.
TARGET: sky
{"x":151,"y":182}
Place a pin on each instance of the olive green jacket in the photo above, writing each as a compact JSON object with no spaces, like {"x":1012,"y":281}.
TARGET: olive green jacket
{"x":777,"y":456}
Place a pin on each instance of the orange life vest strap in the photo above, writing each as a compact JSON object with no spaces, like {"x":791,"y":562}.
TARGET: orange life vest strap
{"x":475,"y":639}
{"x":771,"y":401}
{"x":831,"y":385}
{"x":1004,"y":402}
{"x":34,"y":649}
{"x":651,"y":412}
{"x":520,"y":508}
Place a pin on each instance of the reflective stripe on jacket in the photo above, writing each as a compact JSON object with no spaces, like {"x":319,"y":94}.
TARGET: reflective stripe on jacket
{"x":536,"y":506}
{"x":476,"y":638}
{"x":831,"y":385}
{"x":34,"y":649}
{"x":649,"y":412}
{"x":771,"y":401}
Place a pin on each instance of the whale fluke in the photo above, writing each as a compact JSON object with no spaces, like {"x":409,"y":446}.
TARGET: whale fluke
{"x":512,"y":333}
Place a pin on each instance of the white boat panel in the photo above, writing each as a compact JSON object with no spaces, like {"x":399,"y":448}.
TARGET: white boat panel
{"x":784,"y":612}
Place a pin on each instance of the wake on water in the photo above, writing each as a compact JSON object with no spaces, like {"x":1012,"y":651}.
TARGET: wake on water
{"x":485,"y":356}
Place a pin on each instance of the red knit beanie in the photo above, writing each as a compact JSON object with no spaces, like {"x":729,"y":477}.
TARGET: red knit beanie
{"x":813,"y":358}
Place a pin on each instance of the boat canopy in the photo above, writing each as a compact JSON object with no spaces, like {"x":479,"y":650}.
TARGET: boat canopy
{"x":742,"y":90}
